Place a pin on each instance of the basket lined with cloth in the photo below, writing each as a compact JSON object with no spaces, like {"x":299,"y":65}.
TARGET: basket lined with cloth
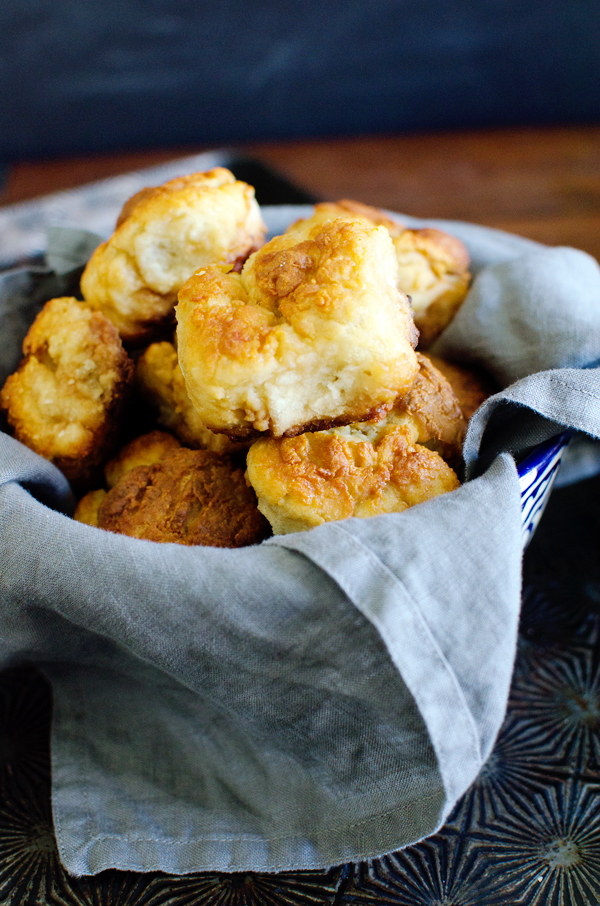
{"x":325,"y":696}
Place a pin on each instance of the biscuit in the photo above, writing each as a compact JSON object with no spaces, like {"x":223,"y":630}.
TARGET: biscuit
{"x":188,"y":497}
{"x":433,"y":267}
{"x":304,"y":481}
{"x":145,"y":450}
{"x":65,"y":399}
{"x":333,"y":210}
{"x":314,"y":332}
{"x":434,"y":272}
{"x":161,"y":383}
{"x":470,"y":385}
{"x":142,"y":451}
{"x":432,"y":409}
{"x":86,"y":510}
{"x":163,"y":235}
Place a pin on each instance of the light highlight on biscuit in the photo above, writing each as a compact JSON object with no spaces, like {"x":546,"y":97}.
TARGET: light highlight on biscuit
{"x":434,"y":272}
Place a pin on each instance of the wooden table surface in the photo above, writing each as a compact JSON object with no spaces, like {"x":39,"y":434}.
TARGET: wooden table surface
{"x":543,"y":183}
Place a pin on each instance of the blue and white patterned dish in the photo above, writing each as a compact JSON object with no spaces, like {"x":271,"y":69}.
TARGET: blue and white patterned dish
{"x":536,"y":477}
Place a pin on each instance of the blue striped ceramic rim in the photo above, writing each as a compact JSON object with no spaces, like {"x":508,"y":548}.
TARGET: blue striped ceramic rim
{"x":536,"y":477}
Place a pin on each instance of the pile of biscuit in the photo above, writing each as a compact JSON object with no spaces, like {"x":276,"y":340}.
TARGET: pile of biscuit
{"x":280,"y":383}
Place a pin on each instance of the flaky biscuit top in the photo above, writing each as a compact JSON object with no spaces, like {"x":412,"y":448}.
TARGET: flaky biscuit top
{"x":65,"y":398}
{"x":304,"y":481}
{"x":313,"y":332}
{"x":433,"y":266}
{"x":163,"y":235}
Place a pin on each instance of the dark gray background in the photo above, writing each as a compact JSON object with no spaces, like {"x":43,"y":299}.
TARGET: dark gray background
{"x":99,"y":75}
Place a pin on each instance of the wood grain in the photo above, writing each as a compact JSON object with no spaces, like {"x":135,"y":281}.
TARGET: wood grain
{"x":543,"y":183}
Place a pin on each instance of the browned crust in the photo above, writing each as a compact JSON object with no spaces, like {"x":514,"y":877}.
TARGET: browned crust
{"x":150,"y":330}
{"x":470,"y":383}
{"x":168,"y":188}
{"x":433,"y":405}
{"x":139,"y":297}
{"x":147,"y":449}
{"x":83,"y":471}
{"x":237,"y":263}
{"x":190,"y":497}
{"x":314,"y":478}
{"x":375,"y":414}
{"x":82,"y":466}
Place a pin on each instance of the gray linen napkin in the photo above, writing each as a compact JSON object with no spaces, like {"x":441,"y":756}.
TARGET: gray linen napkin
{"x":325,"y":696}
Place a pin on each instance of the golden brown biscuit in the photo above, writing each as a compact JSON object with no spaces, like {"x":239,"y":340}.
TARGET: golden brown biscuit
{"x":471,"y":386}
{"x":312,"y":333}
{"x":434,"y":272}
{"x":87,"y":509}
{"x":163,"y":235}
{"x":433,"y":266}
{"x":304,"y":481}
{"x":145,"y":450}
{"x":65,"y":398}
{"x":432,"y":408}
{"x":333,"y":210}
{"x":142,"y":451}
{"x":189,"y":497}
{"x":161,"y":383}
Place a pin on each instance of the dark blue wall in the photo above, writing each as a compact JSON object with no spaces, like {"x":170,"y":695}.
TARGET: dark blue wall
{"x":78,"y":75}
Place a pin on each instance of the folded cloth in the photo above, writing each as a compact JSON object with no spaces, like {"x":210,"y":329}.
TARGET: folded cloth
{"x":326,"y":696}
